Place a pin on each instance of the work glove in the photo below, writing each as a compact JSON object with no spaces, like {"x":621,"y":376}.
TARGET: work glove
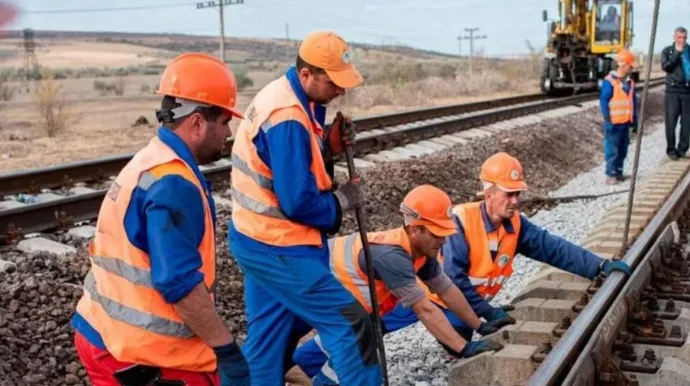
{"x":487,"y":328}
{"x":232,"y":366}
{"x":608,"y":266}
{"x":500,"y":322}
{"x":497,"y":313}
{"x":341,"y":133}
{"x":349,"y":195}
{"x":477,"y":347}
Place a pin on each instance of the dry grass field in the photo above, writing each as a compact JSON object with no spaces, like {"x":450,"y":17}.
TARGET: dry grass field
{"x":104,"y":83}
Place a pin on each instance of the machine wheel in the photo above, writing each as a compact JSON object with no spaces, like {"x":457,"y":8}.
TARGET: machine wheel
{"x":548,"y":77}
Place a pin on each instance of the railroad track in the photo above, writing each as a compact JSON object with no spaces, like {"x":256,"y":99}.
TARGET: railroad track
{"x":613,"y":331}
{"x":32,"y":181}
{"x":430,"y":127}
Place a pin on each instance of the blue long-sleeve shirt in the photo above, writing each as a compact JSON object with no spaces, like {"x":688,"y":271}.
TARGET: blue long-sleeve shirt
{"x":605,"y":96}
{"x":167,"y":222}
{"x":286,"y":149}
{"x":533,"y":242}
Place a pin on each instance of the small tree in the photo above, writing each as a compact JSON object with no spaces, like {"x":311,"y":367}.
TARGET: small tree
{"x":242,"y":79}
{"x":120,"y":84}
{"x":51,"y":105}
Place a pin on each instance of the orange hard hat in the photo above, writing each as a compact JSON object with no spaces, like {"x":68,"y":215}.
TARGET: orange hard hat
{"x":431,"y":207}
{"x":625,"y":57}
{"x":504,"y":171}
{"x":200,"y":78}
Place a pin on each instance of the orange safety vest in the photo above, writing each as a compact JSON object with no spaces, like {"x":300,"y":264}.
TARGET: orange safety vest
{"x":256,"y":210}
{"x":344,"y":252}
{"x":137,"y":325}
{"x":621,"y":105}
{"x":486,"y":274}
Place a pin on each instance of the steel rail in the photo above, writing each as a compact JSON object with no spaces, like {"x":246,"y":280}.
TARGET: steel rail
{"x":31,"y":218}
{"x":33,"y":180}
{"x":556,"y":365}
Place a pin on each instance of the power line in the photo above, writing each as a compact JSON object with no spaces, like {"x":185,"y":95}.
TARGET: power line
{"x":471,"y":38}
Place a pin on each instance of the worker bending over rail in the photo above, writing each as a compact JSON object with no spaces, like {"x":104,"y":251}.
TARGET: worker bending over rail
{"x":618,"y":101}
{"x":402,"y":257}
{"x":147,"y":315}
{"x":284,"y":206}
{"x":479,"y":257}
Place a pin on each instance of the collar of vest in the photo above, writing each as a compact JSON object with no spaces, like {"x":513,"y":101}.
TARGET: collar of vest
{"x":489,"y":226}
{"x":170,"y":139}
{"x":319,"y":112}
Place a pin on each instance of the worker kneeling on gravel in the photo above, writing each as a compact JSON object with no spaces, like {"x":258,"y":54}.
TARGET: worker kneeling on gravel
{"x":147,"y":316}
{"x":402,"y":257}
{"x":479,"y":257}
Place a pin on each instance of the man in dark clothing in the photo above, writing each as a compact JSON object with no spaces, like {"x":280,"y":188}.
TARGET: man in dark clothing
{"x":675,"y":61}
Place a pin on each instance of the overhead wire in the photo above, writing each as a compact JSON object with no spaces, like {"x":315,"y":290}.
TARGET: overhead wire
{"x":642,"y":117}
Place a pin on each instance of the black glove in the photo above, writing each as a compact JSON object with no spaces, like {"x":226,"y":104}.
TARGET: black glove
{"x":349,"y":195}
{"x":477,"y":347}
{"x":487,"y":328}
{"x":504,"y":321}
{"x":232,"y":366}
{"x":495,"y":314}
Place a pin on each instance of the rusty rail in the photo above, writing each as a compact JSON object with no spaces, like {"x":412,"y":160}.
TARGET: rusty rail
{"x":33,"y":180}
{"x":49,"y":215}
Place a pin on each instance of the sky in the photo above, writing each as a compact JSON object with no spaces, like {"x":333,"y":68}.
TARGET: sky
{"x":431,"y":24}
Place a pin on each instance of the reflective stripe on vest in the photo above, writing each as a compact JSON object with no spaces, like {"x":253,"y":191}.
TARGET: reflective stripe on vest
{"x":621,"y":104}
{"x":486,"y":274}
{"x":344,"y":257}
{"x":256,"y":210}
{"x":136,"y":324}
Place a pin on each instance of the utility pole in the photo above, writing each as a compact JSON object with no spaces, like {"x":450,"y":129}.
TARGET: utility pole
{"x":31,"y":66}
{"x":287,"y":32}
{"x":471,"y":38}
{"x":221,"y":6}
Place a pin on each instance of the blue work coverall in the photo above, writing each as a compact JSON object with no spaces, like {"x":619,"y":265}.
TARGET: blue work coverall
{"x":289,"y":290}
{"x":533,"y":242}
{"x":616,"y":137}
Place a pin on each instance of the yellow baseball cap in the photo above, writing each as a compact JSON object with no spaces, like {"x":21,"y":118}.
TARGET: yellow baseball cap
{"x":329,"y":51}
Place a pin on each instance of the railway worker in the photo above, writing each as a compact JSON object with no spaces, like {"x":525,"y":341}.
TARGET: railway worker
{"x":401,"y":257}
{"x":618,"y":101}
{"x":147,"y":314}
{"x":479,"y":257}
{"x":284,"y":206}
{"x":675,"y":61}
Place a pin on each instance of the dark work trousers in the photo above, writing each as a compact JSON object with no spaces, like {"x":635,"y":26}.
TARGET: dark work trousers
{"x":677,"y":105}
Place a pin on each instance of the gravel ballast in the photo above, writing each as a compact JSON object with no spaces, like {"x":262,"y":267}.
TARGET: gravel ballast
{"x":37,"y":300}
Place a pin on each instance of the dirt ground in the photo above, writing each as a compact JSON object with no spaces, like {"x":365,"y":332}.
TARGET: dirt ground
{"x":100,"y":126}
